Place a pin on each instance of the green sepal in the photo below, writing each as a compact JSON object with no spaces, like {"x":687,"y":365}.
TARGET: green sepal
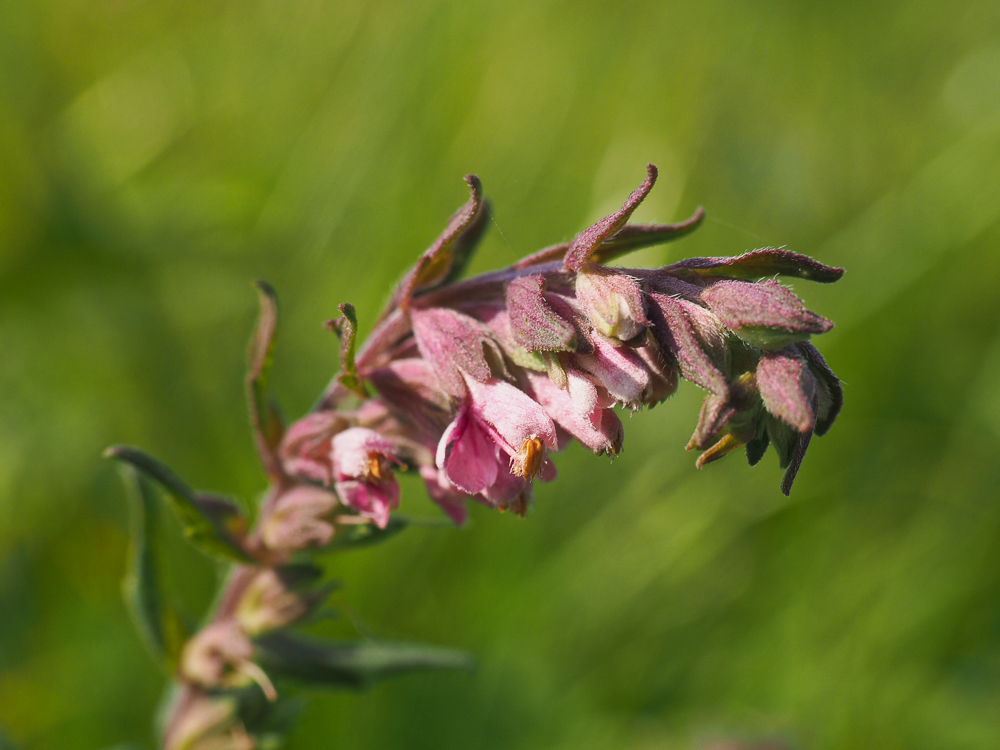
{"x":159,"y":625}
{"x":352,"y":665}
{"x":346,"y":328}
{"x":265,"y":417}
{"x":211,"y":523}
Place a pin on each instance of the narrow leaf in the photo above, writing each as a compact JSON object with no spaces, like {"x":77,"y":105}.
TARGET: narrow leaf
{"x":758,"y":264}
{"x":448,"y":252}
{"x":636,"y":236}
{"x":264,"y":419}
{"x":467,"y":242}
{"x":346,"y":328}
{"x":350,"y":664}
{"x":159,"y":626}
{"x":211,"y":523}
{"x":587,"y":241}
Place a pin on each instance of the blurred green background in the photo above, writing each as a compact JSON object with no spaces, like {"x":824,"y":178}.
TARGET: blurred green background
{"x":158,"y":155}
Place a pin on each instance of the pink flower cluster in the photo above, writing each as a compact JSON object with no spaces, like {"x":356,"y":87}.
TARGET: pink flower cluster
{"x":476,"y":383}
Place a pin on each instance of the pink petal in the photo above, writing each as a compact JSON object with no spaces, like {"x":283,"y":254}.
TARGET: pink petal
{"x":509,"y":492}
{"x":598,"y":429}
{"x":453,"y":503}
{"x":374,"y":501}
{"x":305,"y":446}
{"x":510,"y":415}
{"x":467,"y":455}
{"x":617,"y":369}
{"x":298,"y":519}
{"x":353,"y":450}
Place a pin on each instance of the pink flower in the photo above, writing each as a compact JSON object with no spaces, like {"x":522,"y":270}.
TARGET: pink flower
{"x":612,"y":301}
{"x":582,"y":409}
{"x":500,"y":435}
{"x":455,"y":345}
{"x":300,"y":519}
{"x":305,"y":447}
{"x":619,"y":370}
{"x":363,"y":476}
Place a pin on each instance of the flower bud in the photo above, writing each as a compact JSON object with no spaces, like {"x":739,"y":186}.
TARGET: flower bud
{"x":764,"y":314}
{"x":300,"y":519}
{"x":200,"y":722}
{"x":611,"y":300}
{"x":270,"y":603}
{"x":219,"y":657}
{"x":362,"y":467}
{"x":305,"y":447}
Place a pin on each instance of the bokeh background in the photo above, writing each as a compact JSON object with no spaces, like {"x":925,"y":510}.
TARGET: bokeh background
{"x":158,"y":155}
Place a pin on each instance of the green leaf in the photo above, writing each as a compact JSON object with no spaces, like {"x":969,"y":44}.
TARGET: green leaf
{"x":350,"y":664}
{"x":211,"y":523}
{"x":268,"y":722}
{"x":353,"y":536}
{"x":346,"y":328}
{"x":158,"y":624}
{"x":264,"y":416}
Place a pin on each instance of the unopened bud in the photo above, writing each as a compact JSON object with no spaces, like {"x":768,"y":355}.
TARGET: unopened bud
{"x":270,"y":603}
{"x":219,"y":656}
{"x":611,"y":300}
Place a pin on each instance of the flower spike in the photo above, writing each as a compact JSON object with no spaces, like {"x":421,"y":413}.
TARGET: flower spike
{"x":475,"y":385}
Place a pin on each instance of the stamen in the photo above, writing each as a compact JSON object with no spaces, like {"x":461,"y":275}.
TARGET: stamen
{"x":528,"y":462}
{"x":374,"y":469}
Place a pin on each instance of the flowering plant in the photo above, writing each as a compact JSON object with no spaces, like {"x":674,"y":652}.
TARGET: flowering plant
{"x":474,"y":384}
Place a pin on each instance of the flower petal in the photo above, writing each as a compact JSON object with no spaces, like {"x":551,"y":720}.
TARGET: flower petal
{"x":510,"y":415}
{"x":598,"y":429}
{"x":619,"y":370}
{"x":455,"y":504}
{"x":374,"y":501}
{"x":353,"y":451}
{"x":467,"y":455}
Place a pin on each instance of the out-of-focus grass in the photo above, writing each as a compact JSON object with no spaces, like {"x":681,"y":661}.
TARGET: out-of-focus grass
{"x":157,"y":157}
